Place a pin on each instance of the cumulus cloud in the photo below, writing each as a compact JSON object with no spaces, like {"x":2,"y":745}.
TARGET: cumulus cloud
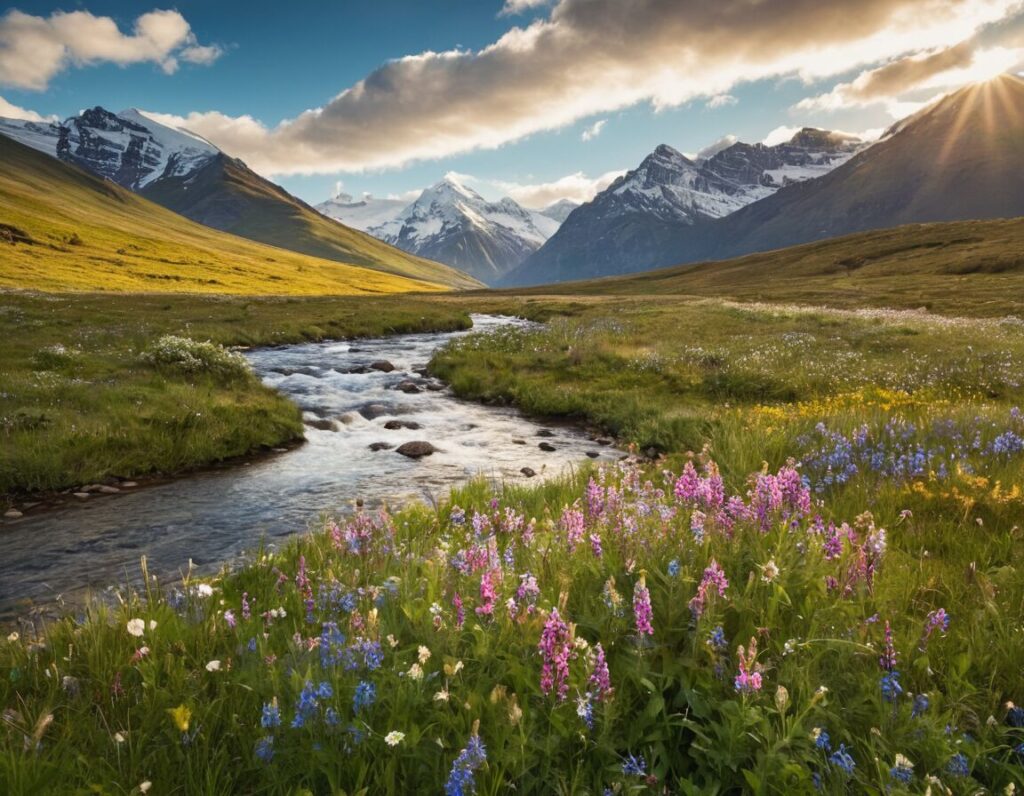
{"x":577,"y":187}
{"x":512,"y":7}
{"x":8,"y":110}
{"x":594,"y":130}
{"x":780,"y":135}
{"x":34,"y":49}
{"x":588,"y":57}
{"x":715,"y":147}
{"x":721,"y":101}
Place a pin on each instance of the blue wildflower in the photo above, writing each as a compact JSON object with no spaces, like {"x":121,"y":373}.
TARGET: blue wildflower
{"x":461,"y":780}
{"x":271,"y":715}
{"x":903,"y":770}
{"x":958,"y":765}
{"x":821,"y":739}
{"x":717,"y":639}
{"x":585,"y":710}
{"x":842,"y":758}
{"x":634,"y":766}
{"x":1015,"y":716}
{"x":324,"y":691}
{"x":252,"y":644}
{"x":921,"y":704}
{"x":891,"y":688}
{"x":364,"y":696}
{"x":673,"y":568}
{"x":265,"y":749}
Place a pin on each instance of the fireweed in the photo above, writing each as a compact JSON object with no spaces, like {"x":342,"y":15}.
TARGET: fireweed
{"x":453,"y":629}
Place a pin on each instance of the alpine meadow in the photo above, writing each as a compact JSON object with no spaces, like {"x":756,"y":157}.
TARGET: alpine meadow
{"x":571,"y":397}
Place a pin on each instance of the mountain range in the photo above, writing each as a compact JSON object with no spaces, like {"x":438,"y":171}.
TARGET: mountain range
{"x":187,"y":174}
{"x":959,"y":158}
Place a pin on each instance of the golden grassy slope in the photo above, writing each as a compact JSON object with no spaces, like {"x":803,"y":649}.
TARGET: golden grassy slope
{"x":63,"y":229}
{"x":960,"y":267}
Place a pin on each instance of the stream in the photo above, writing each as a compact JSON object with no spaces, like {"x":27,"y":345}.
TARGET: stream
{"x":213,"y":517}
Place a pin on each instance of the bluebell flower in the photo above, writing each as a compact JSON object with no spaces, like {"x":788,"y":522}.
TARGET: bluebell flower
{"x":364,"y":696}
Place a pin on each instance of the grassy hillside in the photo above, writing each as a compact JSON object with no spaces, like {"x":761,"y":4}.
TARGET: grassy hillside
{"x":227,"y":195}
{"x":962,"y":267}
{"x":63,"y":229}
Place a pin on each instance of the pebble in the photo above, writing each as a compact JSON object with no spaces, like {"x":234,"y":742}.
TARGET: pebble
{"x":12,"y":514}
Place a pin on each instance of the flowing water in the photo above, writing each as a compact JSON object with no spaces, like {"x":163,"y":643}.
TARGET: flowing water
{"x":213,"y":517}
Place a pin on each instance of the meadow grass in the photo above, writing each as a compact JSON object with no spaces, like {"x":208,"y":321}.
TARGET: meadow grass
{"x":841,"y":491}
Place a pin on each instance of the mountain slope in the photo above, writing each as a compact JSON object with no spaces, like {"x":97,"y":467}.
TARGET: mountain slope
{"x":189,"y":175}
{"x":944,"y":267}
{"x":453,"y":224}
{"x":62,"y":228}
{"x":959,"y":159}
{"x":226,"y":195}
{"x":635,"y":223}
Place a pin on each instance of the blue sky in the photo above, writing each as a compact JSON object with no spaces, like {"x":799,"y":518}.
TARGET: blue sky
{"x":273,"y":61}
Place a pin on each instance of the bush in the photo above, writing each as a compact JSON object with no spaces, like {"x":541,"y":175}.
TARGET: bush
{"x":185,"y":355}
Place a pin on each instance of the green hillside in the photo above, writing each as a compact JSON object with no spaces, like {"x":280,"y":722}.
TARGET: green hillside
{"x":226,"y":195}
{"x":961,"y":267}
{"x":63,"y":229}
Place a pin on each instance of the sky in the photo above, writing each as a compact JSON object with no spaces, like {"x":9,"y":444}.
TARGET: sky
{"x":537,"y":99}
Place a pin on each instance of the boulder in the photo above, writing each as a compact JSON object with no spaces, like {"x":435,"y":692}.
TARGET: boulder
{"x":529,"y":472}
{"x":519,"y":442}
{"x":593,"y":454}
{"x":380,"y":446}
{"x":408,"y":387}
{"x":382,"y":365}
{"x":373,"y":411}
{"x":545,"y":433}
{"x":416,"y":449}
{"x":546,"y":446}
{"x":394,"y":425}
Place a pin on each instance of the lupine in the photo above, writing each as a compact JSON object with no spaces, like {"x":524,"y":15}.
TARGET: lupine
{"x":921,"y":705}
{"x":364,"y":696}
{"x":555,"y":649}
{"x":712,"y":580}
{"x":585,"y":710}
{"x":889,"y":655}
{"x":673,"y":568}
{"x":461,"y":780}
{"x":271,"y":715}
{"x":903,"y":770}
{"x":642,"y":608}
{"x":843,"y":759}
{"x":958,"y":765}
{"x":573,"y":523}
{"x":600,"y":678}
{"x":487,"y":593}
{"x":460,"y":612}
{"x":595,"y":545}
{"x":748,"y":680}
{"x":634,"y":766}
{"x":264,"y":749}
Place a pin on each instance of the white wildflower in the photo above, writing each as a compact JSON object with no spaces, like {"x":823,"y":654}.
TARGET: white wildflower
{"x":394,"y":738}
{"x":136,"y":627}
{"x":213,"y":666}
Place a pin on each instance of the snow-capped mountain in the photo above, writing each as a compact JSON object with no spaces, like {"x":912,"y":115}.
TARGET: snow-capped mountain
{"x":453,"y":224}
{"x":127,"y":147}
{"x":628,"y":226}
{"x":361,"y":214}
{"x":559,"y":211}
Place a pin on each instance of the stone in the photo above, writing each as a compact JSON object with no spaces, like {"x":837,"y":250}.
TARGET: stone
{"x":546,"y":446}
{"x":603,"y":441}
{"x":394,"y":425}
{"x":545,"y":433}
{"x":108,"y":490}
{"x":382,"y":365}
{"x":519,"y":442}
{"x":12,"y":514}
{"x":593,"y":454}
{"x":81,"y":495}
{"x":380,"y":446}
{"x":128,"y":484}
{"x":280,"y":450}
{"x":373,"y":411}
{"x":408,"y":387}
{"x":435,"y":386}
{"x":416,"y":449}
{"x":529,"y":472}
{"x":324,"y":424}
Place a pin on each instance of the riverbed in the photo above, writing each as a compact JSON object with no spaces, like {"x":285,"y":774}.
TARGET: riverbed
{"x":348,"y":398}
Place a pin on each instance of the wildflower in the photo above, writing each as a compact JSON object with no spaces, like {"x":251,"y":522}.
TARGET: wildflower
{"x":821,"y":739}
{"x":595,"y":545}
{"x":769,"y":571}
{"x":394,"y":738}
{"x":889,"y":656}
{"x":461,"y":781}
{"x":271,"y":715}
{"x":246,"y":608}
{"x":119,"y":738}
{"x":1014,"y":715}
{"x":903,"y":770}
{"x":422,"y":654}
{"x":936,"y":620}
{"x":181,"y":716}
{"x":958,"y":765}
{"x":585,"y":709}
{"x":145,"y":786}
{"x":634,"y":766}
{"x":229,"y":617}
{"x":415,"y":672}
{"x":442,"y":696}
{"x":611,"y":597}
{"x":748,"y":681}
{"x":842,"y":758}
{"x":70,"y":685}
{"x":264,"y":749}
{"x":642,"y":607}
{"x":891,"y":688}
{"x":140,"y":653}
{"x":781,"y":698}
{"x":460,"y":613}
{"x":600,"y":678}
{"x":697,"y":520}
{"x":365,"y":695}
{"x":487,"y":593}
{"x":204,"y":590}
{"x":713,"y":580}
{"x":213,"y":666}
{"x":673,"y":568}
{"x":716,"y":639}
{"x":555,"y":649}
{"x":136,"y":627}
{"x":573,"y":523}
{"x":13,"y":637}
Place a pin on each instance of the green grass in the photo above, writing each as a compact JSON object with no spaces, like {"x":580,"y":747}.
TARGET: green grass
{"x":954,"y":268}
{"x":62,"y":229}
{"x":80,"y":401}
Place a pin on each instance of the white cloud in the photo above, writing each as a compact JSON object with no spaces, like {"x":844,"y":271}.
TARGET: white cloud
{"x":519,"y":6}
{"x":578,"y":187}
{"x":780,"y":135}
{"x":594,"y":130}
{"x":588,"y":57}
{"x":715,"y":147}
{"x":35,"y":49}
{"x":9,"y":110}
{"x":721,"y":101}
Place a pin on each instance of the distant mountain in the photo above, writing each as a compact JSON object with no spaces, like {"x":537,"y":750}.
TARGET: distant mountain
{"x":63,"y":228}
{"x":190,"y":176}
{"x":961,"y":158}
{"x":632,"y":225}
{"x":453,"y":224}
{"x":361,"y":214}
{"x":559,"y":211}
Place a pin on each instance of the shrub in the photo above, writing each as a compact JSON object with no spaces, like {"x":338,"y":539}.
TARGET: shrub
{"x":185,"y":355}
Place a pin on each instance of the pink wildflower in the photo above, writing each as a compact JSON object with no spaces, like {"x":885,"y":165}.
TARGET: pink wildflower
{"x":555,"y":647}
{"x":642,"y":608}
